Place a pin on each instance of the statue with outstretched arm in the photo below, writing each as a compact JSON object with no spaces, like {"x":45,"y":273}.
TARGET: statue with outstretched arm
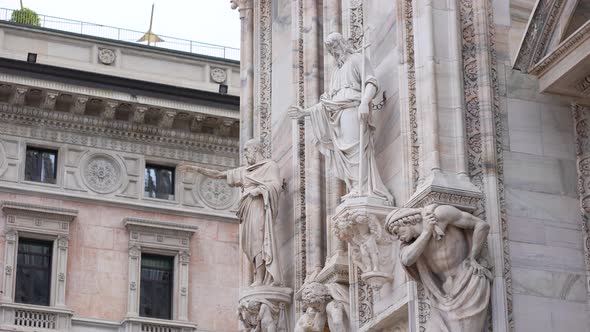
{"x":336,"y":121}
{"x":261,"y":185}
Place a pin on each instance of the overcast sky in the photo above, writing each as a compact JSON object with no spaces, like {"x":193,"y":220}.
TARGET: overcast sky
{"x":209,"y":21}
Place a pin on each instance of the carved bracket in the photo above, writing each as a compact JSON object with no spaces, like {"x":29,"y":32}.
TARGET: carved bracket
{"x":264,"y":308}
{"x":371,"y":248}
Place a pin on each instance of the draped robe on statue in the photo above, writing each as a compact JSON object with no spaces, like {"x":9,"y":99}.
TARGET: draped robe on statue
{"x":460,"y":304}
{"x":336,"y":131}
{"x":257,"y":214}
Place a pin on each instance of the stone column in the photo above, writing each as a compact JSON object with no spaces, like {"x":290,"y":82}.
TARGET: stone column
{"x":246,"y":69}
{"x":439,"y":95}
{"x":313,"y":85}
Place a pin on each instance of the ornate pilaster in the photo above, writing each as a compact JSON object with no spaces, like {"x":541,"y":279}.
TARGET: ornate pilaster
{"x":581,"y":117}
{"x":245,"y":8}
{"x":134,"y":268}
{"x":263,"y":74}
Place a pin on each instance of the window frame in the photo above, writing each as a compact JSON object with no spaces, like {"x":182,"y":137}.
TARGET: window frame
{"x":172,"y":168}
{"x":37,"y":222}
{"x":171,"y":290}
{"x":43,"y":148}
{"x":166,"y":239}
{"x":45,"y":243}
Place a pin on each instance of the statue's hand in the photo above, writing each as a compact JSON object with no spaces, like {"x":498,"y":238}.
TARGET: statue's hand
{"x":428,"y":223}
{"x":296,"y":112}
{"x":478,"y":269}
{"x":363,"y":111}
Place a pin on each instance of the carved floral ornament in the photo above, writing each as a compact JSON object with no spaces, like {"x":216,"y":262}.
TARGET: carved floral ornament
{"x":215,"y":193}
{"x":106,"y":56}
{"x":102,"y":173}
{"x":218,"y":75}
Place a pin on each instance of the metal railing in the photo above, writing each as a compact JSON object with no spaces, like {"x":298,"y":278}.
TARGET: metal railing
{"x":126,"y":35}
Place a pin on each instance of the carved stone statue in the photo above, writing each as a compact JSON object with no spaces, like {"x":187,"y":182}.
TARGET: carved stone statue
{"x":315,"y":296}
{"x":261,"y":184}
{"x":370,"y":245}
{"x":441,"y":247}
{"x":336,"y":120}
{"x":260,"y":316}
{"x":323,"y":304}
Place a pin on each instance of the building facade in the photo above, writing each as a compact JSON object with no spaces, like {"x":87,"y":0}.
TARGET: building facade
{"x":480,"y":129}
{"x":101,"y":231}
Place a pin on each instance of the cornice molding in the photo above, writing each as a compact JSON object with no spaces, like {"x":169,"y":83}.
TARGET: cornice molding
{"x":117,"y":129}
{"x":12,"y":208}
{"x":538,"y":33}
{"x":562,"y":50}
{"x":157,"y":225}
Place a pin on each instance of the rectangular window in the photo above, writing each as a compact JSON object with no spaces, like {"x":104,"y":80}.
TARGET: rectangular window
{"x":41,"y":165}
{"x":159,"y":182}
{"x":155,"y":298}
{"x":33,"y":271}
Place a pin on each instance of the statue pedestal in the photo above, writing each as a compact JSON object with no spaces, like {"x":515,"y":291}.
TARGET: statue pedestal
{"x":269,"y":293}
{"x":263,"y":308}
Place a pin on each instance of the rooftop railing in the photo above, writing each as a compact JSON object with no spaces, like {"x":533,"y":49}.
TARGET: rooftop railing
{"x":126,"y":35}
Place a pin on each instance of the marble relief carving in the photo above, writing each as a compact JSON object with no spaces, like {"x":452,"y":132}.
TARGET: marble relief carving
{"x":265,"y":74}
{"x":106,"y":56}
{"x":323,"y":307}
{"x":581,"y":117}
{"x":102,"y":174}
{"x":370,"y":245}
{"x":216,"y":194}
{"x":442,"y":247}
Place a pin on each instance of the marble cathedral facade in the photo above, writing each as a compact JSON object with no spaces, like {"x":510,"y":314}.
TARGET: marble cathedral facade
{"x":474,"y":114}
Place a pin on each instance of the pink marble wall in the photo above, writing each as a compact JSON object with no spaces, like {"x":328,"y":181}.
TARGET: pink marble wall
{"x":98,"y":263}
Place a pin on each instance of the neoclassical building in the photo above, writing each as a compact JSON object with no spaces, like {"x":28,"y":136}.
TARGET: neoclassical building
{"x":100,"y":230}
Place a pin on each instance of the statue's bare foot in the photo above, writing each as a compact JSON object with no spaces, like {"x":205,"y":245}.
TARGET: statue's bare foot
{"x":256,"y":284}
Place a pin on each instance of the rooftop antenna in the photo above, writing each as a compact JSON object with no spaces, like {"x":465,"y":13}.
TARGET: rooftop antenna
{"x":149,"y":36}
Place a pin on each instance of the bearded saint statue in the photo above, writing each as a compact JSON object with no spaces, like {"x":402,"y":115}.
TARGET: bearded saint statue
{"x":335,"y":121}
{"x":261,"y":184}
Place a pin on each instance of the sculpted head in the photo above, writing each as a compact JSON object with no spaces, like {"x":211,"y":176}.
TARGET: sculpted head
{"x":315,"y":295}
{"x":253,"y":151}
{"x":338,"y":47}
{"x":405,"y":223}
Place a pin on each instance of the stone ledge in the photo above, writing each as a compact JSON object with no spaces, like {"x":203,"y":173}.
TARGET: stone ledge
{"x":34,"y":210}
{"x":447,"y":189}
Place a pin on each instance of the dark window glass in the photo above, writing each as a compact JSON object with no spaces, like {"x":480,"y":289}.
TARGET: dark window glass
{"x":41,"y":165}
{"x":156,"y":286}
{"x":159,"y":182}
{"x":33,"y":271}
